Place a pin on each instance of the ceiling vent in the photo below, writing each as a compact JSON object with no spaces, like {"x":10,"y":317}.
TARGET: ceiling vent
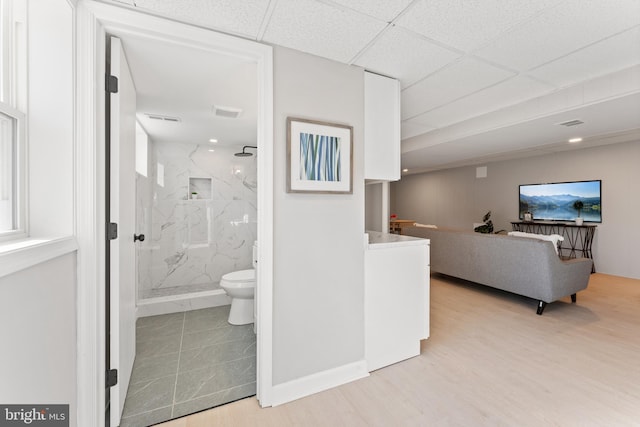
{"x":570,"y":123}
{"x":162,"y":118}
{"x":226,"y":112}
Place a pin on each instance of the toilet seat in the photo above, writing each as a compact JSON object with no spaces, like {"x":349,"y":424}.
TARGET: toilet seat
{"x":240,"y":276}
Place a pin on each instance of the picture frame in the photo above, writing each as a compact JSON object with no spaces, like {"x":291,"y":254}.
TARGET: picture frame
{"x":319,"y":157}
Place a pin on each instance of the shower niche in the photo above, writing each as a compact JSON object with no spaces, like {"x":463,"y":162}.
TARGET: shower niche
{"x":199,"y":188}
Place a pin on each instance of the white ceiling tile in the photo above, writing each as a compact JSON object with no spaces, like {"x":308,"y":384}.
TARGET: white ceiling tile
{"x":568,"y":27}
{"x":409,"y":129}
{"x":626,"y":80}
{"x":467,"y":24}
{"x":613,"y":54}
{"x":507,"y":93}
{"x":452,"y":82}
{"x":385,"y":10}
{"x":404,"y":55}
{"x":238,"y":17}
{"x":320,"y":29}
{"x":620,"y":114}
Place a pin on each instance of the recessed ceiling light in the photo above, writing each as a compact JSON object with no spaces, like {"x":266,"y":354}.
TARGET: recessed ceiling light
{"x":405,"y":170}
{"x":574,"y":140}
{"x":211,"y":150}
{"x":213,"y":140}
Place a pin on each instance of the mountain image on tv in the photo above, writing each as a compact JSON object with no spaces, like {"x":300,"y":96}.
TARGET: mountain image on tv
{"x":555,"y":201}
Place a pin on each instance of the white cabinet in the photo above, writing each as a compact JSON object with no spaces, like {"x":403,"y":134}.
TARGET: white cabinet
{"x":381,"y":128}
{"x":396,"y":298}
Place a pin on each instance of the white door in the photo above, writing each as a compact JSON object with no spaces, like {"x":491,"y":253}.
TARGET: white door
{"x":123,"y":255}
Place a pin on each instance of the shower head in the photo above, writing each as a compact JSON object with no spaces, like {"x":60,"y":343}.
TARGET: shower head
{"x":244,"y":153}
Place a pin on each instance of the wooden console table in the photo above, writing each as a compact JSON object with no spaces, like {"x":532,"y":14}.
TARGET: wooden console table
{"x":396,"y":225}
{"x":578,"y":239}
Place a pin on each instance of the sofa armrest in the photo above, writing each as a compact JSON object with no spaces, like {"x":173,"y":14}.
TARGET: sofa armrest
{"x":569,"y":277}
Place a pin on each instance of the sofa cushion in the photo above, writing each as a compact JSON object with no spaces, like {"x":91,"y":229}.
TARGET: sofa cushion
{"x":554,"y":238}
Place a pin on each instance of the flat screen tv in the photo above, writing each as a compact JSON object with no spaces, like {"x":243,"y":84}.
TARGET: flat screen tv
{"x":554,"y":202}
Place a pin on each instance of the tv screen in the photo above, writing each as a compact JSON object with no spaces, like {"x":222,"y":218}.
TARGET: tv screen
{"x":554,"y":202}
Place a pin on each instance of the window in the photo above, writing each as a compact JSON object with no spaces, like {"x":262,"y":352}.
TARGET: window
{"x":7,"y":167}
{"x":12,"y":154}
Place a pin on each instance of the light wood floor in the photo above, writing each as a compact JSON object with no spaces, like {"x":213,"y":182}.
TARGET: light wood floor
{"x":490,"y":361}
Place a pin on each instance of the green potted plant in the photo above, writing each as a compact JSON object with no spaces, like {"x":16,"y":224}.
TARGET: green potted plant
{"x":578,"y":205}
{"x":487,"y":227}
{"x":194,"y":195}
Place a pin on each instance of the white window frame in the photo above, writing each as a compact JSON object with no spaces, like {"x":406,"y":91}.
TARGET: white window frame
{"x":18,"y":175}
{"x":6,"y":44}
{"x":35,"y":241}
{"x":12,"y":99}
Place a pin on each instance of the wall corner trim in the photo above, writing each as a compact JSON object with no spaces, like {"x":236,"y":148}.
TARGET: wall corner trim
{"x":320,"y":381}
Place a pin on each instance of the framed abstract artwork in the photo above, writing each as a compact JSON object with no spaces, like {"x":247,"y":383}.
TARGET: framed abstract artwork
{"x":319,"y":157}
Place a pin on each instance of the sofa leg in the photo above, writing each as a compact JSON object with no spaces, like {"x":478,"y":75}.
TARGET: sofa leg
{"x":541,"y":306}
{"x":573,"y":297}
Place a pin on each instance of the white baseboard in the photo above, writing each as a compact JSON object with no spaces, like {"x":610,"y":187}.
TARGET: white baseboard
{"x":320,"y":381}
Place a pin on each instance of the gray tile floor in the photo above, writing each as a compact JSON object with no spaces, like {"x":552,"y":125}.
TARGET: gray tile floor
{"x":187,"y":362}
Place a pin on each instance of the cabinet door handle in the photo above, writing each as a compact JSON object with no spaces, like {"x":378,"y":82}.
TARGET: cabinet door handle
{"x":137,"y":237}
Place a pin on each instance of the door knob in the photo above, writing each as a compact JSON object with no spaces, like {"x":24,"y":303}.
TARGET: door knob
{"x":137,"y":237}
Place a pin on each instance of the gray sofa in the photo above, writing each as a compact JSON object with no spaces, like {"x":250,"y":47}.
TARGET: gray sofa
{"x":521,"y":265}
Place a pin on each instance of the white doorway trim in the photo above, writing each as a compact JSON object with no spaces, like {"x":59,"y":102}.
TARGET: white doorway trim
{"x":94,"y":20}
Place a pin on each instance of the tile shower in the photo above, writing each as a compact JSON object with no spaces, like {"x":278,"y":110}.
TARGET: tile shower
{"x":193,"y":239}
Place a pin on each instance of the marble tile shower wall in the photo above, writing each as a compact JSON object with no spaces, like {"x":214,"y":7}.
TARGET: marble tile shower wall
{"x":193,"y":242}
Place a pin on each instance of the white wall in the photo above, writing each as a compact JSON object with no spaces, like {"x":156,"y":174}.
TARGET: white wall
{"x":373,"y":207}
{"x":38,"y":334}
{"x":456,"y":198}
{"x":50,"y":117}
{"x":318,"y":308}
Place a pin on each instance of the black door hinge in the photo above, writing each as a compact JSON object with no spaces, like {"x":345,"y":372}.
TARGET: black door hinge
{"x":112,"y":231}
{"x":112,"y":378}
{"x":111,"y":84}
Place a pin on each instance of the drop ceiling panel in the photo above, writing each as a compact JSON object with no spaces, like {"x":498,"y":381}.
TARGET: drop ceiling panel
{"x":467,"y":24}
{"x":507,"y":93}
{"x":455,"y":81}
{"x":320,"y":29}
{"x":381,"y":9}
{"x":238,"y":17}
{"x":622,"y":114}
{"x":405,"y":56}
{"x":411,"y":128}
{"x":610,"y":55}
{"x":456,"y":59}
{"x":571,"y":26}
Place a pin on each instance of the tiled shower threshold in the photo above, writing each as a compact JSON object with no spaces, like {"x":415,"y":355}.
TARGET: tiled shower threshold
{"x":178,"y":290}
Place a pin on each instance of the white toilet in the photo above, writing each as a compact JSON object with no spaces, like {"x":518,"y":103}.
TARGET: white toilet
{"x":240,"y":286}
